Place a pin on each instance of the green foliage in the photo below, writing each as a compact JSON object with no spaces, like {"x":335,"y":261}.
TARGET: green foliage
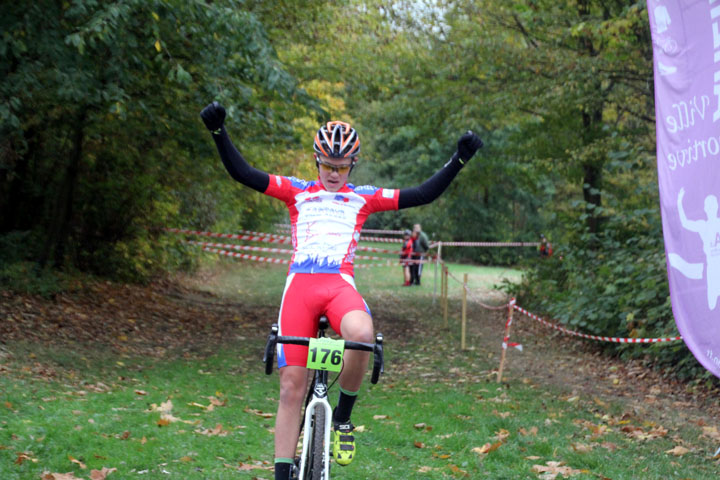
{"x":613,"y":284}
{"x":100,"y":126}
{"x":26,"y":277}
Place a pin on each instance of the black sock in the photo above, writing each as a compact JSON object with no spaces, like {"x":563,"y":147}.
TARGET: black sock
{"x":283,"y":467}
{"x":342,"y":412}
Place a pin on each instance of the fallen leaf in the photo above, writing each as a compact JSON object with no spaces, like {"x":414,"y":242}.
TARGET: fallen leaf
{"x":23,"y":456}
{"x":78,"y":462}
{"x":140,"y":392}
{"x":638,"y":433}
{"x":165,"y":407}
{"x":249,"y":466}
{"x":259,"y":413}
{"x":678,"y":451}
{"x":711,"y":432}
{"x":380,"y":417}
{"x":553,"y":469}
{"x":502,"y":434}
{"x":581,"y":447}
{"x":419,"y":445}
{"x":59,"y":476}
{"x":458,"y":471}
{"x":101,"y":474}
{"x":487,"y":448}
{"x":217,"y":431}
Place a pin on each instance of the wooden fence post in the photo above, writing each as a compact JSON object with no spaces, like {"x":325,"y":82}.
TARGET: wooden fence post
{"x":438,"y":261}
{"x":505,"y":339}
{"x":445,"y":295}
{"x":464,"y":312}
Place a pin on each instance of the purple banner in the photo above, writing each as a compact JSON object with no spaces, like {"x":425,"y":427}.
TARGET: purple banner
{"x":686,"y":51}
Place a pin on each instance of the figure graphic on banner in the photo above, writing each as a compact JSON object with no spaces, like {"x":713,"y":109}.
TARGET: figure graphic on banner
{"x":709,"y":231}
{"x":662,"y":18}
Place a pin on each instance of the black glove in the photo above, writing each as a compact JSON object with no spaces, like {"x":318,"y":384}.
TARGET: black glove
{"x":213,"y":116}
{"x":468,"y":144}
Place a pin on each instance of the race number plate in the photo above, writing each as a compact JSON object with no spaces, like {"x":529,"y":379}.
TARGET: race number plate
{"x":325,"y":354}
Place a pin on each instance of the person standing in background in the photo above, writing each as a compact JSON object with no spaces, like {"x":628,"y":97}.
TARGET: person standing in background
{"x":406,"y":256}
{"x":545,"y":247}
{"x":421,"y":244}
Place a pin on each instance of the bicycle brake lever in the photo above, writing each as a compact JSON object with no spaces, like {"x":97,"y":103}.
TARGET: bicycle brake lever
{"x":269,"y":349}
{"x":378,"y":359}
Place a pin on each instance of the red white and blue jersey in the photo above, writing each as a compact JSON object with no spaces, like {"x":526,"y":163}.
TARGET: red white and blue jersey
{"x":326,"y":225}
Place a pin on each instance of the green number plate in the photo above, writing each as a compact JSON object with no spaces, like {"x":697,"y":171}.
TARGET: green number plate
{"x":325,"y":354}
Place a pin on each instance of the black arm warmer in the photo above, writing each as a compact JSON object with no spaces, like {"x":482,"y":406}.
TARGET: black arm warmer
{"x":430,"y":188}
{"x":236,"y":165}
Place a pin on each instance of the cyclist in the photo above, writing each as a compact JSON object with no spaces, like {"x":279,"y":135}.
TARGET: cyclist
{"x":326,"y":217}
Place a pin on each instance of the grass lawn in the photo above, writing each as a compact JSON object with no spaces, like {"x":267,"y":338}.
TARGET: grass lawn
{"x":437,"y":413}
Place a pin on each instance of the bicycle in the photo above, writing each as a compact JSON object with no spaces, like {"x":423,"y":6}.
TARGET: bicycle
{"x":324,"y":355}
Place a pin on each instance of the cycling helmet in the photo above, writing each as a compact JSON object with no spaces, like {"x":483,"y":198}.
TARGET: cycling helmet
{"x":337,"y":140}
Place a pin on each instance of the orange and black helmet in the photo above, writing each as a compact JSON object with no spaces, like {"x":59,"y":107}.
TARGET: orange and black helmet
{"x":337,"y":140}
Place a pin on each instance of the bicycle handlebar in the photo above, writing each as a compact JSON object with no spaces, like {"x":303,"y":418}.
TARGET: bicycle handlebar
{"x":376,"y":348}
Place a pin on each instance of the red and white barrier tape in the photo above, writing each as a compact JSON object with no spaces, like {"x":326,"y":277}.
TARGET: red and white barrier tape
{"x":485,"y":244}
{"x":267,"y":238}
{"x":479,"y":302}
{"x":506,"y":340}
{"x":563,"y":329}
{"x":381,"y":239}
{"x":285,"y":227}
{"x":595,"y":337}
{"x":249,"y":248}
{"x":246,"y":256}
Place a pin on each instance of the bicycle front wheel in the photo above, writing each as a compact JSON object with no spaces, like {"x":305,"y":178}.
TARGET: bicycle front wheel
{"x":317,"y":459}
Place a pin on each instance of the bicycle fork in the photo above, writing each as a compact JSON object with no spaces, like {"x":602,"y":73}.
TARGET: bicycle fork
{"x":319,"y":401}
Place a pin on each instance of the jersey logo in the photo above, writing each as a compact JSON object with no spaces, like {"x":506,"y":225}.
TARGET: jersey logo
{"x":388,"y":192}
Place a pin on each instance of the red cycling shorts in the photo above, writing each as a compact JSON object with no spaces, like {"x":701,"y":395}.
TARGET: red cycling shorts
{"x":306,"y":298}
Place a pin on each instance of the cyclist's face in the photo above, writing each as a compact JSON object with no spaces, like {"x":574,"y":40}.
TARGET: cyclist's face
{"x":333,"y":172}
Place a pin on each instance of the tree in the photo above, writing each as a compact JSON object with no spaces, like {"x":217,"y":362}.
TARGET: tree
{"x":100,"y":118}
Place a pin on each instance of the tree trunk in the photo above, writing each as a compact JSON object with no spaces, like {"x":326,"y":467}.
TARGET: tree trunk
{"x":59,"y":228}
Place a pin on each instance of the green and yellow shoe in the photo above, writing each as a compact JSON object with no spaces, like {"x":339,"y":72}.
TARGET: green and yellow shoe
{"x":343,"y":443}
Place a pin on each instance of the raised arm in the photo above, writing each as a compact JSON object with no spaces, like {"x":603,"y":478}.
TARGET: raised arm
{"x":434,"y":186}
{"x":214,"y":118}
{"x":692,"y":225}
